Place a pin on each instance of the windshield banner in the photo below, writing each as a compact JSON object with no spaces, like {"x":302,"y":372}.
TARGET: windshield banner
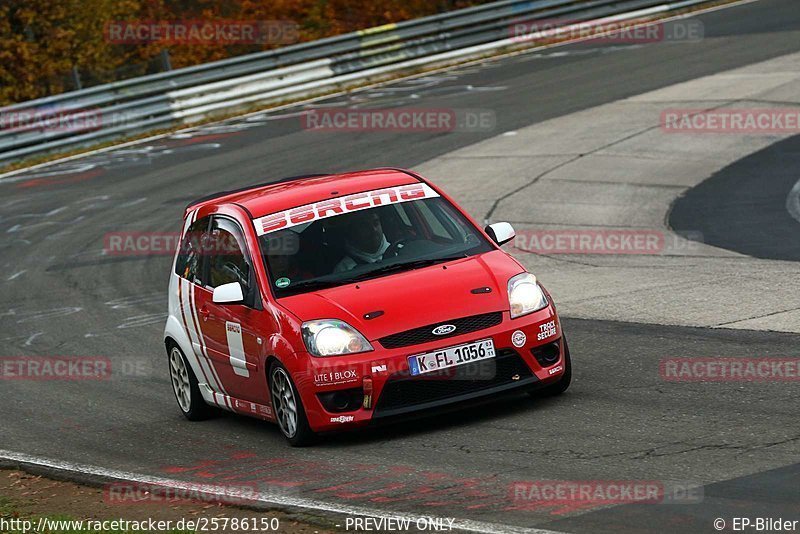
{"x":338,"y":206}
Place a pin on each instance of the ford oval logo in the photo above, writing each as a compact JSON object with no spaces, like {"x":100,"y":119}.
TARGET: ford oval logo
{"x":444,"y":329}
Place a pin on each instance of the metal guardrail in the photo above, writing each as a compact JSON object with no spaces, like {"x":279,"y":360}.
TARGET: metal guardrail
{"x":138,"y":105}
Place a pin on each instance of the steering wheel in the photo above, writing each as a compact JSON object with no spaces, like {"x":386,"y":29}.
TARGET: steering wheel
{"x":394,"y":249}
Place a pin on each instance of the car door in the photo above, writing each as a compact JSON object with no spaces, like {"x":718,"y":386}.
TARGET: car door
{"x":229,"y":331}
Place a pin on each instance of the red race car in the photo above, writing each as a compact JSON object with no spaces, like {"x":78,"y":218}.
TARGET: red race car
{"x":327,"y":302}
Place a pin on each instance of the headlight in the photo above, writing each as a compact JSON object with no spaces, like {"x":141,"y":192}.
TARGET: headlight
{"x":331,"y":337}
{"x":525,"y":295}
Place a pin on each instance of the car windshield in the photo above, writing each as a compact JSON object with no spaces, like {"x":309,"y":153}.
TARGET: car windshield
{"x":368,"y":243}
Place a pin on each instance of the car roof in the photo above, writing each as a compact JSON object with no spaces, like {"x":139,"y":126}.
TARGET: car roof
{"x":287,"y":193}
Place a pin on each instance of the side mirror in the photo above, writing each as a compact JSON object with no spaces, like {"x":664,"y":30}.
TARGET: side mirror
{"x":501,"y":232}
{"x":228,"y":293}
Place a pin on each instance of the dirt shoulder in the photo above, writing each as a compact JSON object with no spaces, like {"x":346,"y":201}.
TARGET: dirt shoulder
{"x":29,"y":497}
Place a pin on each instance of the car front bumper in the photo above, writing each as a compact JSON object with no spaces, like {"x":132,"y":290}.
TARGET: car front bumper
{"x":355,"y":390}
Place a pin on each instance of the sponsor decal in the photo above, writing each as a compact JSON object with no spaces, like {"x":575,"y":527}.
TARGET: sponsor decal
{"x":342,"y":419}
{"x":282,"y":282}
{"x":519,"y":338}
{"x":336,"y":377}
{"x":236,"y":349}
{"x":379,"y":368}
{"x":338,"y":206}
{"x":253,"y":408}
{"x":556,"y":369}
{"x":546,"y":330}
{"x":443,"y":330}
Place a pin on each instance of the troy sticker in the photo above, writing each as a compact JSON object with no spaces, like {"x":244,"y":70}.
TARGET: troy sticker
{"x":519,"y":338}
{"x":341,"y":205}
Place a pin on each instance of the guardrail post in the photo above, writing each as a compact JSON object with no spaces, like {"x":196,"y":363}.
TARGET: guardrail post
{"x":165,"y":62}
{"x":76,"y":78}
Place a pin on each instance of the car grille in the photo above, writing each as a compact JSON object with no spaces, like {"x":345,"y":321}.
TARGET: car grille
{"x":403,"y":393}
{"x":423,"y":334}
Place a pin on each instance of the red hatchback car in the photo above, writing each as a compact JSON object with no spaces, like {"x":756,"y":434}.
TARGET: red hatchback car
{"x":332,"y":301}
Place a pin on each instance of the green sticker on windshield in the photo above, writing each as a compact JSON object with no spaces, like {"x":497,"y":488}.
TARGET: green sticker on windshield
{"x":282,"y":282}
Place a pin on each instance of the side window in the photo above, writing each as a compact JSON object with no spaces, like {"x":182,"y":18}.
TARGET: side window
{"x":228,"y":261}
{"x":190,"y":258}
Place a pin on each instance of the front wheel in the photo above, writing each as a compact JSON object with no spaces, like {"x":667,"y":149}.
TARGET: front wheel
{"x":288,"y":407}
{"x":563,"y":383}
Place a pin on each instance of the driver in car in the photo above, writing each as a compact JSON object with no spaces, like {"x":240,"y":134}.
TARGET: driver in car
{"x":365,"y":241}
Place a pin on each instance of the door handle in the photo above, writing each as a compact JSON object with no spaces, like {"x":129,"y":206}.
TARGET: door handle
{"x":205,"y":313}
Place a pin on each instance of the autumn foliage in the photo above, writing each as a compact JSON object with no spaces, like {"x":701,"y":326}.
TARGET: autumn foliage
{"x":46,"y":46}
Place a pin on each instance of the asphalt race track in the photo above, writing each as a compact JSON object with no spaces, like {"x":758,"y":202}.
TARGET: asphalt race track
{"x":736,"y":210}
{"x":61,"y":296}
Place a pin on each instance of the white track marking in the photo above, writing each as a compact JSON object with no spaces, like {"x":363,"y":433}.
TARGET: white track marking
{"x":273,"y":499}
{"x":793,"y":202}
{"x":11,"y":176}
{"x":16,"y":275}
{"x":29,"y":341}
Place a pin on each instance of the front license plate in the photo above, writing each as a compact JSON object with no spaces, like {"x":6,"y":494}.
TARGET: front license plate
{"x":451,"y":357}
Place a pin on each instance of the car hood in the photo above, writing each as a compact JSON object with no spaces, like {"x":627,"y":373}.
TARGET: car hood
{"x":414,"y":298}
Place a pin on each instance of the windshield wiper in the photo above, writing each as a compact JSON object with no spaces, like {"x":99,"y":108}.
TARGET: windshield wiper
{"x":403,"y":266}
{"x":312,"y":285}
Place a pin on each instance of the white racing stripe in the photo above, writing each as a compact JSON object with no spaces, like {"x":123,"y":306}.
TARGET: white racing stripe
{"x":273,"y":499}
{"x":195,"y":336}
{"x":216,"y":382}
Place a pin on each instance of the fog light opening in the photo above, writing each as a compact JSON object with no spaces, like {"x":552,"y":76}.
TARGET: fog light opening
{"x":548,"y":354}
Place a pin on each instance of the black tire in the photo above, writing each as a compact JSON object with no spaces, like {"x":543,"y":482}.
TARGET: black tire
{"x":563,"y":383}
{"x":187,"y":393}
{"x":286,"y":398}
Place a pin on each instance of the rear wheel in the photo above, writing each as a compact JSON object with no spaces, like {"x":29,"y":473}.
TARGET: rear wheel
{"x":288,"y":407}
{"x":184,"y":385}
{"x":563,"y":383}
